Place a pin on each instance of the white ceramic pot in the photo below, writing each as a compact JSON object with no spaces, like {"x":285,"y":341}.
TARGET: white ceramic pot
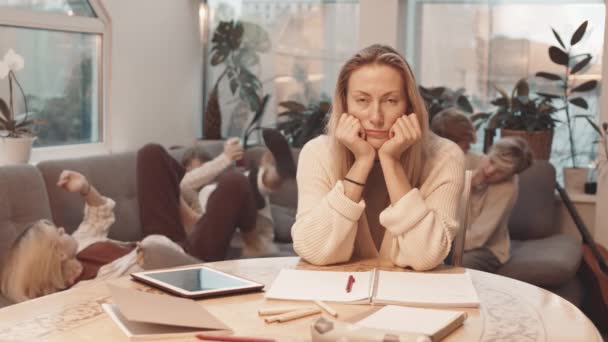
{"x":15,"y":150}
{"x":574,"y":179}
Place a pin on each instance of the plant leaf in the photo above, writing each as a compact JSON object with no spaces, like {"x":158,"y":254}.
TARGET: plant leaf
{"x":578,"y":34}
{"x":4,"y":110}
{"x":549,"y":76}
{"x":464,"y":104}
{"x":293,"y":106}
{"x":580,"y":65}
{"x":549,"y":96}
{"x":479,"y":116}
{"x":255,"y":37}
{"x":522,"y":88}
{"x":437,"y":91}
{"x":579,"y":102}
{"x":559,"y":39}
{"x":558,"y":56}
{"x":587,"y":86}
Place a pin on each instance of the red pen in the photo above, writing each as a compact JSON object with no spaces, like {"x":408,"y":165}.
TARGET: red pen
{"x":349,"y":283}
{"x":228,"y":338}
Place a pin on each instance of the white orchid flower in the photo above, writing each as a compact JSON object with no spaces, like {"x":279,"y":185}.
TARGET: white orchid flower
{"x":13,"y":61}
{"x":3,"y":70}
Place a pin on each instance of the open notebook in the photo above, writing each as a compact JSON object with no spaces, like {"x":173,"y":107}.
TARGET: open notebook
{"x":378,"y":287}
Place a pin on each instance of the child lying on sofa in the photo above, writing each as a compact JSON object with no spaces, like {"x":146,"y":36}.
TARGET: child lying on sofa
{"x":199,"y":183}
{"x":45,"y":259}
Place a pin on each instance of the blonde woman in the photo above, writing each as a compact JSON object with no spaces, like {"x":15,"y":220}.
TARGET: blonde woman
{"x":45,"y":259}
{"x":379,"y":184}
{"x":493,"y":195}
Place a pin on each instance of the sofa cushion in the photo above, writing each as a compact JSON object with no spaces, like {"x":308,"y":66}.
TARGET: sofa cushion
{"x":548,"y":262}
{"x":23,"y":200}
{"x":284,"y":219}
{"x":533,"y":216}
{"x":114,"y":177}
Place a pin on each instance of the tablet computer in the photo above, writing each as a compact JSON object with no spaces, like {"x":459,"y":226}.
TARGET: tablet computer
{"x":197,"y":282}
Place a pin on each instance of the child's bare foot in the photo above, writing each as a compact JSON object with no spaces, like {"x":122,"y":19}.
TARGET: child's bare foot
{"x":270,"y":177}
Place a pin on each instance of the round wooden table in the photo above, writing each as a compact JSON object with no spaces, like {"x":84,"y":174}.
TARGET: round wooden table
{"x":510,"y":310}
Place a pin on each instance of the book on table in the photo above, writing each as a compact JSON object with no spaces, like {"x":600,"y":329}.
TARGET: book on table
{"x":377,"y":287}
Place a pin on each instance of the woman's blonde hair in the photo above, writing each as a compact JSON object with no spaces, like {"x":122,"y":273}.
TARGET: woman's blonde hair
{"x":413,"y":158}
{"x":453,"y":124}
{"x":34,"y":264}
{"x":511,"y":154}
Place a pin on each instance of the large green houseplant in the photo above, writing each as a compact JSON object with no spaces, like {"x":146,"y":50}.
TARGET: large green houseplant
{"x":437,"y":99}
{"x":235,"y":47}
{"x":16,"y":131}
{"x":571,"y":90}
{"x":300,"y":123}
{"x":522,"y":114}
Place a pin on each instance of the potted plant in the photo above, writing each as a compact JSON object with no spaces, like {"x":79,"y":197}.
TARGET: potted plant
{"x":526,"y":116}
{"x":16,"y":135}
{"x":300,"y":123}
{"x":437,"y":99}
{"x":571,"y":92}
{"x":235,"y":45}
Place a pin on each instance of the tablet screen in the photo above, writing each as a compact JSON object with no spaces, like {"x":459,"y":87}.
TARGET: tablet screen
{"x":198,"y":279}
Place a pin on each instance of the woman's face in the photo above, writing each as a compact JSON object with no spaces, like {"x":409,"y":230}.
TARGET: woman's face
{"x":376,"y":96}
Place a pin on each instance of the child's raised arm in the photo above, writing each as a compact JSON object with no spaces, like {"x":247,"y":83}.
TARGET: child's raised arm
{"x":75,"y":182}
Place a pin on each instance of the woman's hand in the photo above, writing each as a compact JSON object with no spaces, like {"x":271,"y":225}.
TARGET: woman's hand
{"x":233,"y":149}
{"x":73,"y":181}
{"x":403,"y":134}
{"x":352,"y":135}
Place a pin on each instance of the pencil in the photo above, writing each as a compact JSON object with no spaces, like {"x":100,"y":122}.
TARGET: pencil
{"x":280,"y":310}
{"x":292,"y":315}
{"x":225,"y":338}
{"x":326,"y":307}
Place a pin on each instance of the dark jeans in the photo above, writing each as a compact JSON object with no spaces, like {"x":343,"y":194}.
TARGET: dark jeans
{"x":230,"y":206}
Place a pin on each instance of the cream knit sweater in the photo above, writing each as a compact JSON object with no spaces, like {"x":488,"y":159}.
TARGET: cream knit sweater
{"x":489,"y":210}
{"x":330,"y":228}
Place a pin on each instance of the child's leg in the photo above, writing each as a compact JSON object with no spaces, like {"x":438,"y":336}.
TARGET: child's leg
{"x":231,"y":205}
{"x":158,"y":192}
{"x":189,"y":217}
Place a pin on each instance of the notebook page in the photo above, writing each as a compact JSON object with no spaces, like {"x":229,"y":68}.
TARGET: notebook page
{"x":426,"y":289}
{"x":322,"y":285}
{"x":413,"y":320}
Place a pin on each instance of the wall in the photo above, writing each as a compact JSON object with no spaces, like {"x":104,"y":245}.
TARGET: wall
{"x":155,"y":92}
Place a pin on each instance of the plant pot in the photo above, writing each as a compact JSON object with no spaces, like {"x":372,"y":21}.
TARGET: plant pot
{"x":574,"y":179}
{"x":539,"y":141}
{"x":15,"y":150}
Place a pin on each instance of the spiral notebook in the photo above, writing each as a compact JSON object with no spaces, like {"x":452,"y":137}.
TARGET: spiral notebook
{"x":377,"y":287}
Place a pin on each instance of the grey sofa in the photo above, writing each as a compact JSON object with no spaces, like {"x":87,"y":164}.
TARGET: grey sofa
{"x":29,"y":193}
{"x":541,"y":255}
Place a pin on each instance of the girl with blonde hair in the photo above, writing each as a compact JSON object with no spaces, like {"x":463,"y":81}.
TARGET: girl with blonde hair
{"x":380,"y":183}
{"x":45,"y":259}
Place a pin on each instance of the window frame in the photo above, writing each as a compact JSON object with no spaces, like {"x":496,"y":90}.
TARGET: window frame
{"x":101,"y":25}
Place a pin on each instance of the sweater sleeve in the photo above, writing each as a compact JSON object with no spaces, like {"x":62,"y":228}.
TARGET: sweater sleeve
{"x":97,"y":221}
{"x":494,"y":214}
{"x":326,"y":222}
{"x":205,"y":174}
{"x":423,"y":227}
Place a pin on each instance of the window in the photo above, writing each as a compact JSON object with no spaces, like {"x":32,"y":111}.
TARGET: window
{"x":62,"y":44}
{"x":480,"y":44}
{"x":309,"y":40}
